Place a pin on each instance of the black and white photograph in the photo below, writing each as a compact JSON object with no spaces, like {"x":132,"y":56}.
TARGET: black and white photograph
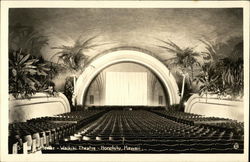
{"x":95,"y":79}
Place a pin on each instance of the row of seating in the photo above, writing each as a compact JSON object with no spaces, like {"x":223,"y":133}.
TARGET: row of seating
{"x":195,"y":118}
{"x":150,"y":132}
{"x":35,"y":134}
{"x":125,"y":130}
{"x":230,"y":127}
{"x":70,"y":116}
{"x":29,"y":137}
{"x":141,"y":123}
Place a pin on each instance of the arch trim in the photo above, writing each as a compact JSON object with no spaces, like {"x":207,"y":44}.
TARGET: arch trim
{"x":119,"y":56}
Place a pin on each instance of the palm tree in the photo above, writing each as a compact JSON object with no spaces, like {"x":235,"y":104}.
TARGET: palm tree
{"x":184,"y":61}
{"x":74,"y":57}
{"x":214,"y":50}
{"x":211,"y":51}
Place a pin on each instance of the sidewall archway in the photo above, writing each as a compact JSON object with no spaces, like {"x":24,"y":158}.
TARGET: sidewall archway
{"x":119,"y":56}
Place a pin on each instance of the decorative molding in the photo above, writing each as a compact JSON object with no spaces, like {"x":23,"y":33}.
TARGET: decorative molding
{"x":24,"y":109}
{"x":213,"y":106}
{"x":114,"y":57}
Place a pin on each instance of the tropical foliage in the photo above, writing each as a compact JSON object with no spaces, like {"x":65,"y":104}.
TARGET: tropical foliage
{"x":225,"y":73}
{"x":183,"y":62}
{"x":28,"y":71}
{"x":185,"y":59}
{"x":219,"y":68}
{"x":208,"y":80}
{"x":74,"y":56}
{"x":212,"y":50}
{"x":24,"y":72}
{"x":215,"y":50}
{"x":232,"y":76}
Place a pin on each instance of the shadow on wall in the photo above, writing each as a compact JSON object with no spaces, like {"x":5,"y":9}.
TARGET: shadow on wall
{"x":39,"y":105}
{"x":214,"y":107}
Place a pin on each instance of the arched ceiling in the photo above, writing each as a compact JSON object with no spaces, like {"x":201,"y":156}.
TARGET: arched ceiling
{"x":131,"y":26}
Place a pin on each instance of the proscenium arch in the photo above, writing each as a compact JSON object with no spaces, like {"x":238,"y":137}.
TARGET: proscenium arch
{"x":122,"y":55}
{"x":165,"y":93}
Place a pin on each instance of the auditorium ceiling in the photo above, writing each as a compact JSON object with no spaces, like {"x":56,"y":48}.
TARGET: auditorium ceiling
{"x":131,"y":27}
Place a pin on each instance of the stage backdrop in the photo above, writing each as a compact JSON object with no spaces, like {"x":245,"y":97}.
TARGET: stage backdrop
{"x":96,"y":95}
{"x":126,"y":88}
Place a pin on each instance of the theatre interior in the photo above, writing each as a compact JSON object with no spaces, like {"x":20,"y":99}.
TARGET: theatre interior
{"x":127,"y":80}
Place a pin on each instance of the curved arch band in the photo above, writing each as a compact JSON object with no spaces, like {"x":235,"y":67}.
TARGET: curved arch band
{"x":119,"y":56}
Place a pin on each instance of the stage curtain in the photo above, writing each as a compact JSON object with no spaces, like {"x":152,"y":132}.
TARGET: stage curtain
{"x":126,"y":88}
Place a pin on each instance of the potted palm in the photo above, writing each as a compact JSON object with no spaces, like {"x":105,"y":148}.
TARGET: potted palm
{"x":183,"y":61}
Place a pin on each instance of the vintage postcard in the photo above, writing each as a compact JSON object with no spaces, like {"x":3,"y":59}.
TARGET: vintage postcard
{"x":125,"y":81}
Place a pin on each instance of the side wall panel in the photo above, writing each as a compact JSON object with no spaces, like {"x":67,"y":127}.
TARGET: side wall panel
{"x":39,"y":105}
{"x":212,"y":106}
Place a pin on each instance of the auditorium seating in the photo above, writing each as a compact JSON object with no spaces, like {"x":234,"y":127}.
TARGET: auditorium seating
{"x":151,"y":133}
{"x":35,"y":134}
{"x":128,"y":131}
{"x":193,"y":119}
